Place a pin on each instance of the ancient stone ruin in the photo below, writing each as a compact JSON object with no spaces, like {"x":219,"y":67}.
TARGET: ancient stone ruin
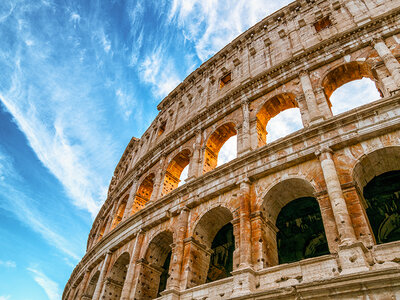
{"x":312,"y":215}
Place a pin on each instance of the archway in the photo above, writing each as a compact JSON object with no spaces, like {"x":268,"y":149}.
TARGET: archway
{"x":271,"y":110}
{"x":350,"y":85}
{"x":155,"y":267}
{"x":120,"y":212}
{"x":116,"y":278}
{"x":301,"y":231}
{"x":212,"y":247}
{"x":91,"y":286}
{"x":214,"y":144}
{"x":143,"y":193}
{"x":102,"y":230}
{"x":377,"y":179}
{"x":174,"y":171}
{"x":294,"y":229}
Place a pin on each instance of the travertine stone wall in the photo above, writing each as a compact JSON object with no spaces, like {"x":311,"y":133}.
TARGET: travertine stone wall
{"x":294,"y":58}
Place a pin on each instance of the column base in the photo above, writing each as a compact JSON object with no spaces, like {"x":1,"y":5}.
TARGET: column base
{"x":244,"y":282}
{"x":171,"y":294}
{"x":352,"y":258}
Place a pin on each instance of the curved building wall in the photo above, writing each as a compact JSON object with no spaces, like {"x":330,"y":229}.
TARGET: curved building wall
{"x":154,"y":231}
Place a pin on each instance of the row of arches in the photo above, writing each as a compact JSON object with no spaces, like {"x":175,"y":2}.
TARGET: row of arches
{"x":292,"y":229}
{"x":222,"y":144}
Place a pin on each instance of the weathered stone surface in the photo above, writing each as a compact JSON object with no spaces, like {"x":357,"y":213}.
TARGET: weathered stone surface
{"x":297,"y":57}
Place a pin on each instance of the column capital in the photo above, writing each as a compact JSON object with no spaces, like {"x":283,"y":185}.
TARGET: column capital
{"x":376,"y":39}
{"x":323,"y":150}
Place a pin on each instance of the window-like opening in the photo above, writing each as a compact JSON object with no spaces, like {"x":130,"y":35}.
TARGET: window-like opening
{"x":323,"y":23}
{"x":102,"y":230}
{"x":382,"y":197}
{"x":211,"y":250}
{"x":143,"y":194}
{"x":162,"y":127}
{"x":352,"y":95}
{"x":228,"y":151}
{"x":120,"y":212}
{"x":221,"y":261}
{"x":301,"y":231}
{"x":225,"y":80}
{"x":376,"y":177}
{"x":164,"y":275}
{"x":282,"y":125}
{"x":115,"y":281}
{"x":184,"y":175}
{"x":214,"y":144}
{"x":174,"y":171}
{"x":91,"y":286}
{"x":154,"y":268}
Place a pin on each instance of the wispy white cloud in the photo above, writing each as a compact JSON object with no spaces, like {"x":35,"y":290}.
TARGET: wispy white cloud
{"x":211,"y":24}
{"x":8,"y":264}
{"x":49,"y":286}
{"x":353,"y":94}
{"x":22,"y":206}
{"x":5,"y":297}
{"x":159,"y":71}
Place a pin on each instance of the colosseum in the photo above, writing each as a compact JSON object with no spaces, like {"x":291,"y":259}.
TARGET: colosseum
{"x":312,"y":215}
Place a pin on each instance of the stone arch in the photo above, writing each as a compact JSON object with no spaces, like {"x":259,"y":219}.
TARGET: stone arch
{"x":377,"y":179}
{"x":174,"y":171}
{"x":119,"y":214}
{"x":143,"y":193}
{"x":102,"y":229}
{"x":214,"y":143}
{"x":89,"y":292}
{"x":346,"y":73}
{"x":116,"y":277}
{"x":208,"y":257}
{"x":269,"y":109}
{"x":154,"y":267}
{"x":297,"y":196}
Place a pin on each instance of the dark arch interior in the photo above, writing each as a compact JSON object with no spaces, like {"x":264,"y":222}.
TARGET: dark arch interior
{"x":301,"y":231}
{"x":164,"y":275}
{"x":382,"y":196}
{"x":221,"y":261}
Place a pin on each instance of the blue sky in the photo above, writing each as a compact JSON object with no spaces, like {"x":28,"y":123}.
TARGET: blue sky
{"x":78,"y":79}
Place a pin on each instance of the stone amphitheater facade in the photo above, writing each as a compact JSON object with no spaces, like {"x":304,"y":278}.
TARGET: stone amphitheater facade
{"x":297,"y":221}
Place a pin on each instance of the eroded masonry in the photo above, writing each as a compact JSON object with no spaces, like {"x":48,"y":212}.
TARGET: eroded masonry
{"x":314,"y":214}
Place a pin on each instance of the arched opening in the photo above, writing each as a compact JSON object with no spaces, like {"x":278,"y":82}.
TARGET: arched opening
{"x":295,"y":229}
{"x":174,"y":171}
{"x":184,"y":175}
{"x":301,"y":231}
{"x":155,"y":267}
{"x":214,"y":144}
{"x":280,"y":125}
{"x":143,"y":193}
{"x":120,"y":212}
{"x":377,"y":178}
{"x":283,"y":124}
{"x":221,"y":261}
{"x":102,"y":230}
{"x":91,"y":286}
{"x":349,"y":86}
{"x":212,"y":247}
{"x":116,"y":278}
